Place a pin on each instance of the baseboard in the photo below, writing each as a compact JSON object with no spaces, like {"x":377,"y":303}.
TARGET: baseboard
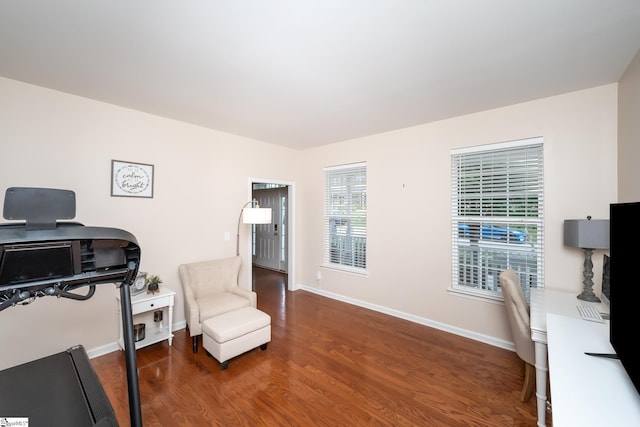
{"x":111,"y":347}
{"x":102,"y":350}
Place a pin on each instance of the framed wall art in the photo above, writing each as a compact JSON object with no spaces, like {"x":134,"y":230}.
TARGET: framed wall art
{"x":129,"y":179}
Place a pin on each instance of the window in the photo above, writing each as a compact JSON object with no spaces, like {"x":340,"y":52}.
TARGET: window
{"x":497,"y":216}
{"x":345,"y":218}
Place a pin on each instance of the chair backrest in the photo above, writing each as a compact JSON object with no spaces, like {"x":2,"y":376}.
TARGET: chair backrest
{"x":208,"y":277}
{"x":518,"y":315}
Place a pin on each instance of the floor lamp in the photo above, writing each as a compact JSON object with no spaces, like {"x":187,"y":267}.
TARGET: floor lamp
{"x":589,"y":235}
{"x":253,"y":214}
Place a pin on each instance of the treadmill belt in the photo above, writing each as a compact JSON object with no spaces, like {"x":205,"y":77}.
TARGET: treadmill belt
{"x":49,"y":392}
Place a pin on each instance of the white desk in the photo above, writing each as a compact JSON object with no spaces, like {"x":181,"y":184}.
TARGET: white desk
{"x":542,"y":302}
{"x":586,"y":390}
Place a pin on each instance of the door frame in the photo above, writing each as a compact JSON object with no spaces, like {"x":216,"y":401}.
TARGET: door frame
{"x":291,"y":266}
{"x":271,"y":253}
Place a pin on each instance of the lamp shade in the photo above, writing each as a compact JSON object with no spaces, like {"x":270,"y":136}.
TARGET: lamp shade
{"x":586,"y":233}
{"x":256,"y":215}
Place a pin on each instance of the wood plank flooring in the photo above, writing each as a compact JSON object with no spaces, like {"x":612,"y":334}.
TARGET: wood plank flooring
{"x":328,"y":364}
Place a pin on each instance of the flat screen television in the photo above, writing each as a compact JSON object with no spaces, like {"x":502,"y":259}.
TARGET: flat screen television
{"x":624,"y":287}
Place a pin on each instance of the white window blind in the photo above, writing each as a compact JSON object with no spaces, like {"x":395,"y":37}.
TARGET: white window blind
{"x":497,"y":215}
{"x":345,"y":219}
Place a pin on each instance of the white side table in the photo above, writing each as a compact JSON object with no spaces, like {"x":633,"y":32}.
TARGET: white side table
{"x":142,"y":307}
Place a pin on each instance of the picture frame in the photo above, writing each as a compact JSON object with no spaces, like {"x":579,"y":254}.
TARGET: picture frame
{"x":131,"y":179}
{"x":140,"y":284}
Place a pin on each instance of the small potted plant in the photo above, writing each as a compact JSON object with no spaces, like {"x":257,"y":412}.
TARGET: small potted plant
{"x":153,"y":284}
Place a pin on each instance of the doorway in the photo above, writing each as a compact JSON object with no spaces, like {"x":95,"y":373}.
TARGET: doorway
{"x":270,"y":241}
{"x":272,"y":244}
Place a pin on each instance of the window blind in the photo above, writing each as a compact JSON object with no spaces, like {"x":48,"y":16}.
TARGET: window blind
{"x":345,"y":217}
{"x":497,"y":215}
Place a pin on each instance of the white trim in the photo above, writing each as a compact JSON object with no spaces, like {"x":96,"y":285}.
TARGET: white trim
{"x":498,"y":145}
{"x":102,"y":350}
{"x":346,"y":269}
{"x":476,"y":294}
{"x":114,"y":346}
{"x":346,"y":166}
{"x":291,"y":226}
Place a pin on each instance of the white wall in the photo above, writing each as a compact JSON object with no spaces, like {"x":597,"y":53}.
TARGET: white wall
{"x":629,"y":133}
{"x":52,"y":139}
{"x":409,"y":255}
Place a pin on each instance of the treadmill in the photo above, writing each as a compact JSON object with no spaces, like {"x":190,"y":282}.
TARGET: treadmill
{"x":42,"y":256}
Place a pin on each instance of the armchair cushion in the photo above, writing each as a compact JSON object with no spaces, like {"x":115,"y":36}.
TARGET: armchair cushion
{"x":223,"y":302}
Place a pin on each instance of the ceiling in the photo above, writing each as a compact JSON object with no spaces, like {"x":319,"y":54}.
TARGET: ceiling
{"x":307,"y":73}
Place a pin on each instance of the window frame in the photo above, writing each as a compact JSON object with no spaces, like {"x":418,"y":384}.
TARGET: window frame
{"x":498,"y":185}
{"x":345,"y":218}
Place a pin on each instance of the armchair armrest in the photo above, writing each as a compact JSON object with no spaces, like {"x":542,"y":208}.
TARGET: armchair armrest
{"x":246,"y":293}
{"x":192,"y":311}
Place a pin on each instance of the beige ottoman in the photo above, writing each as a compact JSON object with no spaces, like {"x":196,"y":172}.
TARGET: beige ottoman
{"x":231,"y":334}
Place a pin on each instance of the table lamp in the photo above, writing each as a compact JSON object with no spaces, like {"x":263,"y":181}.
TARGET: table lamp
{"x":587,"y":234}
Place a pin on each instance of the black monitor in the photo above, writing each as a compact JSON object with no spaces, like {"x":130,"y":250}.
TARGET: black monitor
{"x":22,"y":263}
{"x":625,"y":287}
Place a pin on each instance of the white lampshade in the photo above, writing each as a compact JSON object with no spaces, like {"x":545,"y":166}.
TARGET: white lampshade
{"x":586,"y":233}
{"x":256,"y":215}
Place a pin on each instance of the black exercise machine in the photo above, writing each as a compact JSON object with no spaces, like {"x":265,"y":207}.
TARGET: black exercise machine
{"x":46,"y":257}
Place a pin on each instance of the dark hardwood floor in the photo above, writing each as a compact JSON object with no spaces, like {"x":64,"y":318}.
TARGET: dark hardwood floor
{"x":328,"y":364}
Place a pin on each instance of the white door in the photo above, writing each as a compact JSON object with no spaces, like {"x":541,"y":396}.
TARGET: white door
{"x":270,"y":240}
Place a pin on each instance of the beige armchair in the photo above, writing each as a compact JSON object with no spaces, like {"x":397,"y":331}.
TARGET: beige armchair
{"x":210,"y":289}
{"x":518,"y":316}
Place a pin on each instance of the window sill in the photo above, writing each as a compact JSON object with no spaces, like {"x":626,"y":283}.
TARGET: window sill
{"x":349,"y":270}
{"x":477,"y":295}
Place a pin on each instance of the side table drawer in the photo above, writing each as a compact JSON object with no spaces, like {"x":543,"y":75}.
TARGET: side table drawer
{"x":144,"y":306}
